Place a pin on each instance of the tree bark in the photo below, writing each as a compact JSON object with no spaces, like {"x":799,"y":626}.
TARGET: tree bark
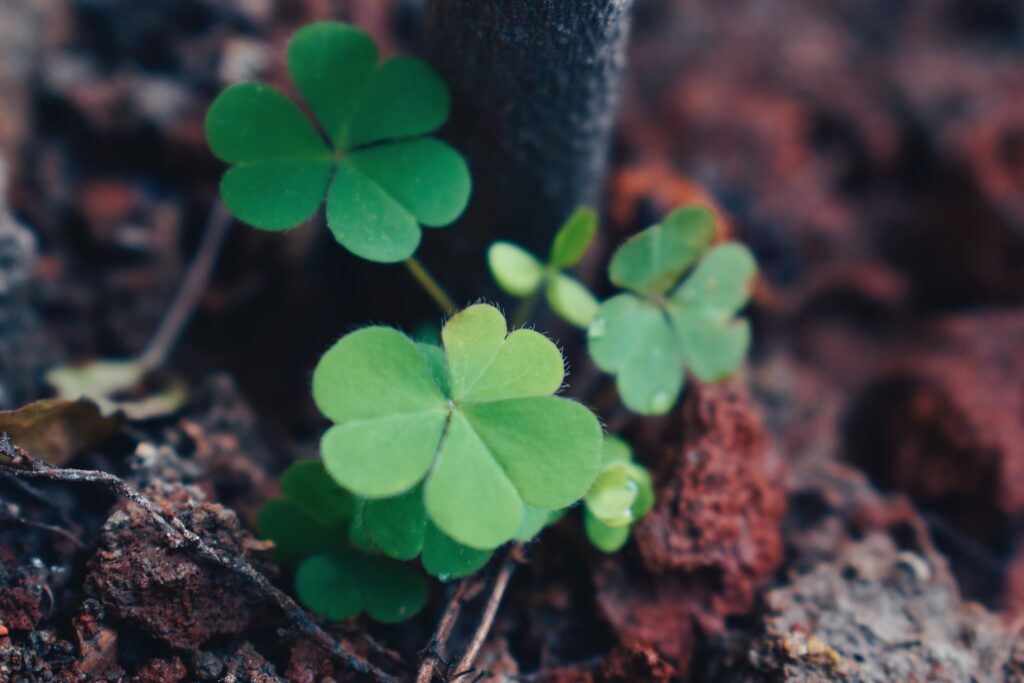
{"x":535,"y":86}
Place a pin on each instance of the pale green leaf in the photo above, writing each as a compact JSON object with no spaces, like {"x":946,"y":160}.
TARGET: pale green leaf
{"x":611,"y":497}
{"x":632,"y":338}
{"x":534,"y":521}
{"x":485,"y":365}
{"x":615,"y":450}
{"x":548,"y":446}
{"x":720,"y":285}
{"x":468,"y":495}
{"x":374,"y":372}
{"x":515,"y":270}
{"x":332,"y":65}
{"x":389,"y":412}
{"x":437,"y":363}
{"x":652,"y":261}
{"x":574,"y":238}
{"x":714,"y":349}
{"x":382,"y":456}
{"x":571,"y":300}
{"x":608,"y":539}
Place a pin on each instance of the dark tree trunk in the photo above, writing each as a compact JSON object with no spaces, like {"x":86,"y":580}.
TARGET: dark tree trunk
{"x":535,"y":85}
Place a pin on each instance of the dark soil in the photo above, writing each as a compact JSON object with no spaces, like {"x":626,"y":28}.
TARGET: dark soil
{"x":849,"y":507}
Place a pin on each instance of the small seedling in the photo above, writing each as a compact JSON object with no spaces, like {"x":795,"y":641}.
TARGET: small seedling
{"x":621,"y":495}
{"x":522,"y":274}
{"x":648,"y":337}
{"x":308,"y":525}
{"x":475,"y":423}
{"x":381,"y":176}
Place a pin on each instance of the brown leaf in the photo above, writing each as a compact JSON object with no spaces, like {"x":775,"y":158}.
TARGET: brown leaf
{"x":56,"y":429}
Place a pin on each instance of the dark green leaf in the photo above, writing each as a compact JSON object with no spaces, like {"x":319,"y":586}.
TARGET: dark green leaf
{"x":332,"y":64}
{"x":406,"y":98}
{"x":342,"y":584}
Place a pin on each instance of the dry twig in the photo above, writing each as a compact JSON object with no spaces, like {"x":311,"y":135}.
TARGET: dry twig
{"x":508,"y":565}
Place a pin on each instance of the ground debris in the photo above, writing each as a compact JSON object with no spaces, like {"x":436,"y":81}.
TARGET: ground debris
{"x":877,"y":613}
{"x":712,"y":540}
{"x":171,"y":595}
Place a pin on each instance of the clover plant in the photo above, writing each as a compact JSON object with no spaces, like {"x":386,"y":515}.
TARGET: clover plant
{"x":368,"y":154}
{"x":439,"y":453}
{"x":521,"y":274}
{"x":620,"y":496}
{"x":649,"y":336}
{"x":476,"y":425}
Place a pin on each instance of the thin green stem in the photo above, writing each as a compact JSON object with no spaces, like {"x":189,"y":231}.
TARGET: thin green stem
{"x":523,"y":310}
{"x":430,"y":285}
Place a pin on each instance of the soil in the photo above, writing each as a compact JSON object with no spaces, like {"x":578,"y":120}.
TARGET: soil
{"x":848,"y":507}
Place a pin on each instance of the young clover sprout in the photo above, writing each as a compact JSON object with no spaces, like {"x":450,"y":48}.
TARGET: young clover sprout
{"x":521,"y":274}
{"x":474,"y":426}
{"x":621,"y":495}
{"x":333,"y":579}
{"x":648,"y":337}
{"x":368,"y":154}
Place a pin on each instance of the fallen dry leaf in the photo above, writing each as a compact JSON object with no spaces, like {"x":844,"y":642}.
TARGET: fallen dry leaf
{"x":56,"y":429}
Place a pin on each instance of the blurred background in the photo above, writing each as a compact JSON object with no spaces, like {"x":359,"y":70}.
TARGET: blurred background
{"x":871,"y":153}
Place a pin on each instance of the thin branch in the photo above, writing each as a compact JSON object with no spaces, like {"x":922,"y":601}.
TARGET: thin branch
{"x":435,"y":650}
{"x":22,"y":464}
{"x":508,"y":566}
{"x":217,"y":227}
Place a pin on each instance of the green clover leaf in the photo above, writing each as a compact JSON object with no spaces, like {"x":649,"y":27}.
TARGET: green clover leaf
{"x":621,"y":495}
{"x":309,"y":517}
{"x":308,"y":526}
{"x":381,"y":178}
{"x":648,"y":339}
{"x":343,"y":583}
{"x":400,"y":528}
{"x":521,"y":274}
{"x":652,"y":261}
{"x":485,"y":442}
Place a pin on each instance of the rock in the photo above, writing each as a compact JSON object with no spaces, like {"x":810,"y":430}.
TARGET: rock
{"x":712,"y":540}
{"x":875,"y":613}
{"x":168,"y":593}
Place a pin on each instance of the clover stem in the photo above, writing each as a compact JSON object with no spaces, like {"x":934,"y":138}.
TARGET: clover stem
{"x":218,"y":224}
{"x":523,"y":310}
{"x":430,"y":285}
{"x":508,"y":566}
